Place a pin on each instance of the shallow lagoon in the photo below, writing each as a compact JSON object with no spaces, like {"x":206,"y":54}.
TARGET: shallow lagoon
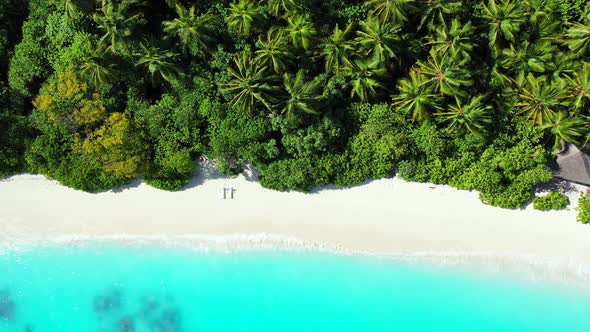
{"x":113,"y":287}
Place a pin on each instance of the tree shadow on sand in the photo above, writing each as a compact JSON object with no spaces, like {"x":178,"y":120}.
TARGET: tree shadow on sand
{"x":332,"y":187}
{"x":557,"y":185}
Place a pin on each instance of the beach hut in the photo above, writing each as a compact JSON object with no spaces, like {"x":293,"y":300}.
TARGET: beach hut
{"x":573,"y":164}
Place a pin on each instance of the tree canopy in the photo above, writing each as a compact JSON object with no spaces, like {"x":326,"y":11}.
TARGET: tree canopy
{"x":477,"y":94}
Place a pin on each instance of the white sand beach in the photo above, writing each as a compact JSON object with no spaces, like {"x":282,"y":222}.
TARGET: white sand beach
{"x":386,"y":216}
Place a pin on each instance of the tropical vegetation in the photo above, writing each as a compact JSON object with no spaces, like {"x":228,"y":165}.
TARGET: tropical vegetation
{"x":584,"y":209}
{"x":554,"y":200}
{"x":478,"y":94}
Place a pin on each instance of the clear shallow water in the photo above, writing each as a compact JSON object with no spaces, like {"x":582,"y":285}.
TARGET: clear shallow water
{"x":118,"y":288}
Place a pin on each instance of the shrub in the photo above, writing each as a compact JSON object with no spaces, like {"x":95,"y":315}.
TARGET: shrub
{"x":553,"y":201}
{"x":168,"y":183}
{"x":30,"y":65}
{"x":584,"y":209}
{"x":59,"y":162}
{"x":293,"y":174}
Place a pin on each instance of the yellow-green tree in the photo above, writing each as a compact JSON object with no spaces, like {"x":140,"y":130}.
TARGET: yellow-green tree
{"x":117,"y":145}
{"x":67,"y":103}
{"x":68,"y":106}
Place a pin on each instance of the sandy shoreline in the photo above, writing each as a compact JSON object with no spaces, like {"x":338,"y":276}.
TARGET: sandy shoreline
{"x":389,"y":217}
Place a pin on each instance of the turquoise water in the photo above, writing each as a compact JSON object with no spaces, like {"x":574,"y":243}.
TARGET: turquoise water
{"x":118,"y":288}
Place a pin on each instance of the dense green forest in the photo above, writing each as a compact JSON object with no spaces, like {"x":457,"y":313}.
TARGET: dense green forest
{"x":475,"y":94}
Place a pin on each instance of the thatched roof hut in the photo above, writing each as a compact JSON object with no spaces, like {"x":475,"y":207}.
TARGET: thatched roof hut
{"x":573,"y":165}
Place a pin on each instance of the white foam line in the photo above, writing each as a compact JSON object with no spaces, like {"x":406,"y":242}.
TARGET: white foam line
{"x":565,"y":270}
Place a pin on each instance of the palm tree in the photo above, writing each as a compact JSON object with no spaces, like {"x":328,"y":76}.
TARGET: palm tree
{"x":249,"y":84}
{"x":73,"y":8}
{"x":364,"y":78}
{"x":472,"y":117}
{"x":289,"y":6}
{"x":561,"y":65}
{"x":416,"y":98}
{"x":504,"y":20}
{"x":527,"y":58}
{"x":541,"y":15}
{"x":578,"y":38}
{"x":274,"y":52}
{"x":194,"y":32}
{"x":540,"y":100}
{"x":539,"y":10}
{"x":434,"y":10}
{"x":453,"y":41}
{"x":336,"y":49}
{"x":566,"y":128}
{"x":579,"y":88}
{"x":446,"y":75}
{"x":242,"y":15}
{"x":172,"y":3}
{"x":96,"y":72}
{"x":160,"y":64}
{"x":302,"y":96}
{"x":586,"y":140}
{"x":391,"y":11}
{"x":378,"y":39}
{"x":116,"y":26}
{"x":301,"y":30}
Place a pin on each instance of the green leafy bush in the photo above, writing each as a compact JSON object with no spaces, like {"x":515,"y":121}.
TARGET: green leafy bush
{"x":29,"y":66}
{"x":168,"y":184}
{"x":292,"y":174}
{"x":59,"y":162}
{"x":552,"y":201}
{"x":584,"y":209}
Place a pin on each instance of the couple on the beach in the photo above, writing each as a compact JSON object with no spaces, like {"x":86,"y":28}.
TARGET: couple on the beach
{"x":225,"y":193}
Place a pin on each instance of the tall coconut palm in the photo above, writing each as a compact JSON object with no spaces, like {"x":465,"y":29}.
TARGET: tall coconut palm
{"x":561,"y":65}
{"x":160,"y":64}
{"x":504,"y":21}
{"x":566,"y":128}
{"x":416,"y":98}
{"x":527,"y":58}
{"x":301,"y":95}
{"x":578,"y":38}
{"x":578,"y":92}
{"x":364,"y":78}
{"x":455,"y":41}
{"x":117,"y":27}
{"x":301,"y":30}
{"x":540,"y":100}
{"x":433,"y":10}
{"x":336,"y":49}
{"x":539,"y":10}
{"x":242,"y":15}
{"x":447,"y":75}
{"x":275,"y":7}
{"x":172,"y":3}
{"x":473,"y":116}
{"x":274,"y":51}
{"x":195,"y":32}
{"x":586,"y":139}
{"x":94,"y":70}
{"x":73,"y":8}
{"x":250,"y":84}
{"x":378,"y":40}
{"x":541,"y":16}
{"x":391,"y":11}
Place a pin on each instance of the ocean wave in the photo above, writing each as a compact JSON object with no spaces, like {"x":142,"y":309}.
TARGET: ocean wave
{"x":532,"y":268}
